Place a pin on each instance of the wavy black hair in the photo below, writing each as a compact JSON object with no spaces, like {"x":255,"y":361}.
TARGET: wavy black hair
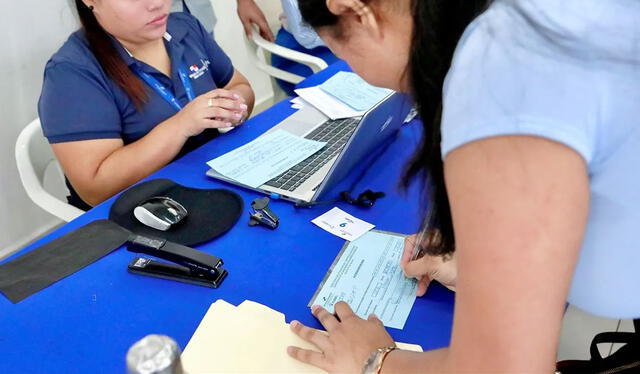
{"x":437,"y":27}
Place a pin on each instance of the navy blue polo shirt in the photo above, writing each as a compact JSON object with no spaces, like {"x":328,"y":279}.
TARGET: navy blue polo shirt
{"x":80,"y":102}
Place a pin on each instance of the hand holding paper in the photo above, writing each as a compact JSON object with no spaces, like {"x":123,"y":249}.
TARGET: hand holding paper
{"x":367,"y":275}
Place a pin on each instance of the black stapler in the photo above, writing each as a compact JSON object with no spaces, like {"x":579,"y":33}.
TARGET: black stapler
{"x":193,"y":266}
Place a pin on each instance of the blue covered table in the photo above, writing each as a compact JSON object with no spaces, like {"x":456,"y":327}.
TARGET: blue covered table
{"x":86,"y":322}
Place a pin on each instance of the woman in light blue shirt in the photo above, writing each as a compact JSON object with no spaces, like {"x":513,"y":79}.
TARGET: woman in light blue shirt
{"x":532,"y":145}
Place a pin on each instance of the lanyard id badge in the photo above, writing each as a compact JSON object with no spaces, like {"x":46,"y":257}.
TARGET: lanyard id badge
{"x":167,"y":95}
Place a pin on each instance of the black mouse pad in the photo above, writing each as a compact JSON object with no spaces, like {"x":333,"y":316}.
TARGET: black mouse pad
{"x":59,"y":258}
{"x":211,"y":212}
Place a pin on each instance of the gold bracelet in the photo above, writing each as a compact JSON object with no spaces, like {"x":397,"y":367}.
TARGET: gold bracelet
{"x":384,"y":355}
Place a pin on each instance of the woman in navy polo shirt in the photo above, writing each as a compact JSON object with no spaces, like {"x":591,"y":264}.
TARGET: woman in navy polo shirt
{"x":133,"y":89}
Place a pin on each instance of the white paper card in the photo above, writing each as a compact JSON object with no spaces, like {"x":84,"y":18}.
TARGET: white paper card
{"x":342,"y":224}
{"x":327,"y":104}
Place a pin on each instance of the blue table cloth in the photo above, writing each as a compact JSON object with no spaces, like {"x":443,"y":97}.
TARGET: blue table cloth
{"x":86,"y":322}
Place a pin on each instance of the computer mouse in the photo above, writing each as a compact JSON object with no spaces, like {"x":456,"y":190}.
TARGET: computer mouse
{"x":160,"y":212}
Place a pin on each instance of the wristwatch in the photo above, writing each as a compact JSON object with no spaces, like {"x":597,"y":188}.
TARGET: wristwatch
{"x":373,"y":364}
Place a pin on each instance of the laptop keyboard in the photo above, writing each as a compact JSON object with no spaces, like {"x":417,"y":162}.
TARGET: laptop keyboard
{"x":335,"y":133}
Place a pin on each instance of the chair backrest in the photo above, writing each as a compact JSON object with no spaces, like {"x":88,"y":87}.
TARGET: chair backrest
{"x":33,"y":158}
{"x":263,"y":47}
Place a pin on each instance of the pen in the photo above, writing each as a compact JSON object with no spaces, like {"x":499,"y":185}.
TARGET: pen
{"x":418,"y":251}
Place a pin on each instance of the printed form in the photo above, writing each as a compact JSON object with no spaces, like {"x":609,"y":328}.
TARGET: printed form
{"x":367,"y":275}
{"x":354,"y":91}
{"x":266,"y":157}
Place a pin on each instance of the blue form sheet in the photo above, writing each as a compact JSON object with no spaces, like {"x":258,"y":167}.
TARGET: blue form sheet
{"x":354,"y":91}
{"x":367,"y":275}
{"x":266,"y":157}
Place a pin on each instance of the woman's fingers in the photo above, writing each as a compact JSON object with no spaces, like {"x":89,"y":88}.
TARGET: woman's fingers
{"x":216,"y":123}
{"x":221,"y":114}
{"x":423,"y":284}
{"x":313,"y":336}
{"x":308,"y":356}
{"x":327,"y":319}
{"x":407,"y":253}
{"x":224,"y":103}
{"x":418,"y":268}
{"x":375,"y":319}
{"x":219,"y":93}
{"x":343,"y":311}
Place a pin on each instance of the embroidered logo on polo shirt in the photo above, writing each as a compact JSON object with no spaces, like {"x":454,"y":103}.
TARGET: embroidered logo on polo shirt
{"x":198,"y":71}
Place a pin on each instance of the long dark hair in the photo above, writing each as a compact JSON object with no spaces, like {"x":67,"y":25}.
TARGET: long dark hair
{"x":109,"y":58}
{"x":437,"y":27}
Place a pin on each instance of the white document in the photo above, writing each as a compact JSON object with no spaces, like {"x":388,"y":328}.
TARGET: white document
{"x":297,"y":100}
{"x":342,"y":224}
{"x":367,"y":275}
{"x":250,"y":338}
{"x":327,"y":104}
{"x":297,"y":103}
{"x":266,"y":157}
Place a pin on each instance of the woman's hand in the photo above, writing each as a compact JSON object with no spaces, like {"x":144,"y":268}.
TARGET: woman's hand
{"x":215,"y":109}
{"x":346,"y":345}
{"x":249,"y":13}
{"x":427,"y":268}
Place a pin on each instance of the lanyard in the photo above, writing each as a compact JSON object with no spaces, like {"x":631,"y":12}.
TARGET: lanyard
{"x":164,"y":92}
{"x":185,"y":8}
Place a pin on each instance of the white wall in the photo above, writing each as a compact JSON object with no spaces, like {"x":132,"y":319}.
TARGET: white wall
{"x":230,"y":36}
{"x":31,"y":31}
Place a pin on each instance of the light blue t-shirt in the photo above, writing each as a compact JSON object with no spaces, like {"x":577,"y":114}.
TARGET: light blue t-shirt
{"x":569,"y":71}
{"x":201,"y":9}
{"x":302,"y":32}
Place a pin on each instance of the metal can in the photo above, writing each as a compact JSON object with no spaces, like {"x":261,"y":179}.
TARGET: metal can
{"x":154,"y":354}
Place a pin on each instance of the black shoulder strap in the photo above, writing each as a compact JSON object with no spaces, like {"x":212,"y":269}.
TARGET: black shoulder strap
{"x":185,"y":8}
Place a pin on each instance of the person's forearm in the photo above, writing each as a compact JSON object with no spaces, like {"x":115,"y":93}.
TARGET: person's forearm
{"x":133,"y":162}
{"x":407,"y":362}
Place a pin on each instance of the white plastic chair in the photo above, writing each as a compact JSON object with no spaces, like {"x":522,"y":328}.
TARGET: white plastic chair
{"x":33,"y":157}
{"x":263,"y":46}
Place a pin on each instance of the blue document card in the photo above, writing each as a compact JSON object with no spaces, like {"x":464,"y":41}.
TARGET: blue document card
{"x":354,"y":91}
{"x":367,"y":275}
{"x":266,"y":157}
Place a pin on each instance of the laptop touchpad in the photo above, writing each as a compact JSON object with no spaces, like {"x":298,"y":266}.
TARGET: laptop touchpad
{"x":302,"y":121}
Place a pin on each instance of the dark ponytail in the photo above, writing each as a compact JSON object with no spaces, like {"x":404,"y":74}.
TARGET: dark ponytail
{"x":437,"y":27}
{"x":109,"y":58}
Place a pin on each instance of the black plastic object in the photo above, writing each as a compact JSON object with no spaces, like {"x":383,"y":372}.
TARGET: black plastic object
{"x":211,"y":212}
{"x":261,"y":214}
{"x":190,"y":266}
{"x":59,"y":258}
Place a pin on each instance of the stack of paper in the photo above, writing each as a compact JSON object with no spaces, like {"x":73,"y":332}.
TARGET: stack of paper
{"x":354,"y":91}
{"x":297,"y":103}
{"x":250,"y":338}
{"x":344,"y":95}
{"x":327,"y":104}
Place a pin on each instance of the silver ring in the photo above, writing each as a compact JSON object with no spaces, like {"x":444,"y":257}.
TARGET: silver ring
{"x":210,"y":102}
